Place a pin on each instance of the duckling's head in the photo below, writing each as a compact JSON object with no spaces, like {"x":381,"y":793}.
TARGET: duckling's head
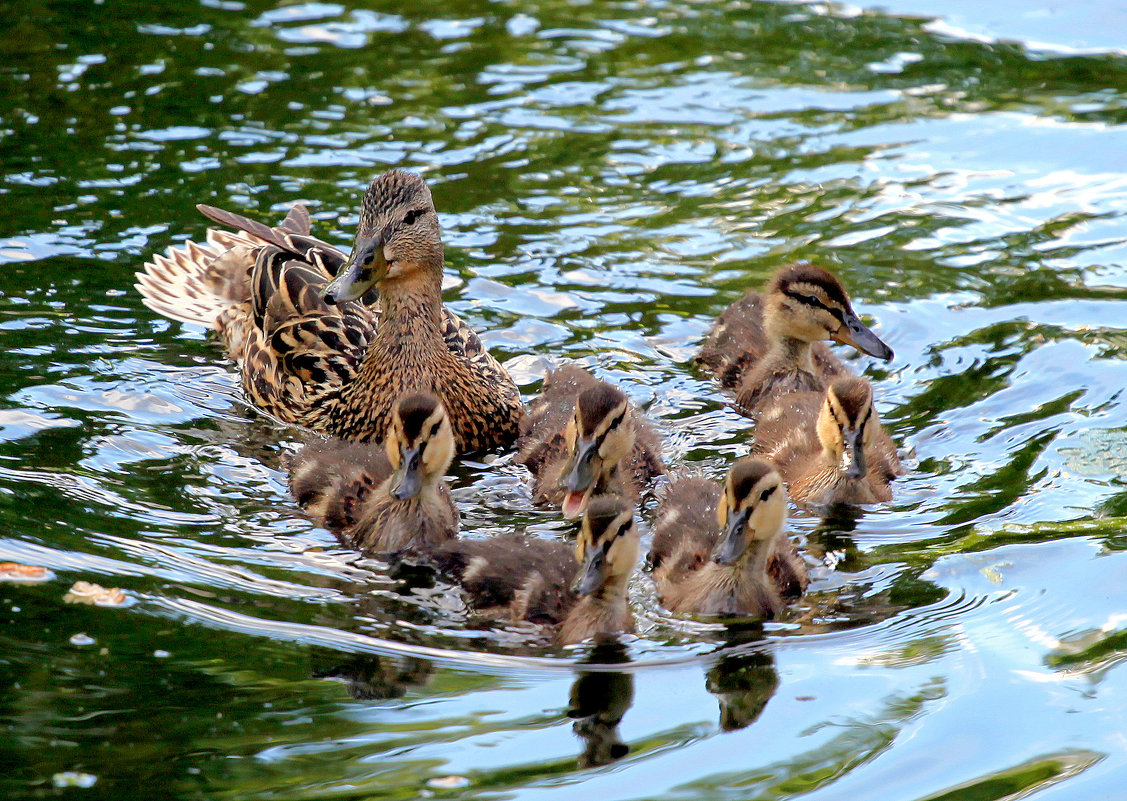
{"x":754,"y":507}
{"x":600,"y":434}
{"x":808,"y":303}
{"x":398,"y":236}
{"x":419,"y":444}
{"x":846,"y":426}
{"x":607,"y":548}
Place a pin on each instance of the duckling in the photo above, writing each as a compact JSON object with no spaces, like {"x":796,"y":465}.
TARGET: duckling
{"x":725,"y":552}
{"x":384,"y":498}
{"x":830,"y":448}
{"x":288,"y":308}
{"x":765,"y":345}
{"x":582,"y":438}
{"x":580,"y":589}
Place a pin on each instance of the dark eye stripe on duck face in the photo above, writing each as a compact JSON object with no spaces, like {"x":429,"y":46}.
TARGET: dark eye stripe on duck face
{"x":805,"y":294}
{"x":607,"y":518}
{"x":851,"y":401}
{"x":411,"y":216}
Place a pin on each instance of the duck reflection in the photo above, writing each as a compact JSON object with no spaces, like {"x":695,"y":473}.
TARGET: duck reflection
{"x":369,"y":677}
{"x":743,"y":682}
{"x":598,"y":702}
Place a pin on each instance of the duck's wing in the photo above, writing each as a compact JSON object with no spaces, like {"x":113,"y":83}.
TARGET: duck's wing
{"x":685,"y":529}
{"x":297,"y":348}
{"x":332,"y":479}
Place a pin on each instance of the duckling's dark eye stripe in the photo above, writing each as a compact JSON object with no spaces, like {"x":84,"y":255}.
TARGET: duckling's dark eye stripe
{"x":810,"y":300}
{"x":767,"y":493}
{"x":614,"y":423}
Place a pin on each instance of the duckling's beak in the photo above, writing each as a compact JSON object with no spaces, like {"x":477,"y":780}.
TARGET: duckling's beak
{"x":578,"y":476}
{"x":408,"y":479}
{"x":856,"y":333}
{"x":853,"y":453}
{"x":592,"y":572}
{"x":365,"y":268}
{"x":733,"y":544}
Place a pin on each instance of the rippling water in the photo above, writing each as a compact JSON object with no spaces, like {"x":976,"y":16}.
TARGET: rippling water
{"x":609,"y":175}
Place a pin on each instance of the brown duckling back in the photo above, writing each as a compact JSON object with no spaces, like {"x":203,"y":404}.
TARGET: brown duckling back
{"x":514,"y":577}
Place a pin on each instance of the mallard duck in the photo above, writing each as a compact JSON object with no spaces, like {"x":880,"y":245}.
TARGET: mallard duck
{"x":764,"y":345}
{"x":582,"y":438}
{"x":309,"y":351}
{"x":829,"y":447}
{"x":724,"y":552}
{"x":581,"y":588}
{"x":385,"y":498}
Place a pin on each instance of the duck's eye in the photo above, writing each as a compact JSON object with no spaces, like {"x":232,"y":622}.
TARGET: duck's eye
{"x":767,"y":493}
{"x":410,"y":217}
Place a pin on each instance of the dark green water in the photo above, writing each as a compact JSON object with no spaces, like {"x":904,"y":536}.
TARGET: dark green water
{"x":610,"y":175}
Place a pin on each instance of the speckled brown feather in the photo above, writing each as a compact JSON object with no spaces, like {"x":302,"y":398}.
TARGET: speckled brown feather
{"x":786,"y":433}
{"x":512,"y":577}
{"x":317,"y":365}
{"x":542,"y":446}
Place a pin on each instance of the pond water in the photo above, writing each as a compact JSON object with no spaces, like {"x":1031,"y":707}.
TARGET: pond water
{"x":609,"y":176}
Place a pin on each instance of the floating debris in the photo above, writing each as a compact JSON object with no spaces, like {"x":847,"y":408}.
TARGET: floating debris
{"x":87,"y":592}
{"x":82,"y":638}
{"x":15,"y":573}
{"x":448,"y":782}
{"x":73,"y":778}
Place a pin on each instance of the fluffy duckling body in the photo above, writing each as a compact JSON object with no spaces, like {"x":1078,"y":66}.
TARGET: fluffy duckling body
{"x":723,"y":551}
{"x":581,"y":589}
{"x":765,"y":345}
{"x":382,"y":498}
{"x":583,"y":438}
{"x":829,"y":447}
{"x":288,"y":308}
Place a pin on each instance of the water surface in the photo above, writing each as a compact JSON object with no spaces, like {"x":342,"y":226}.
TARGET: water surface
{"x":609,"y":176}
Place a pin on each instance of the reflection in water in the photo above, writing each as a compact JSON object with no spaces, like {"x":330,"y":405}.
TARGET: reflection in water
{"x":370,"y":677}
{"x":743,"y":683}
{"x":598,"y":702}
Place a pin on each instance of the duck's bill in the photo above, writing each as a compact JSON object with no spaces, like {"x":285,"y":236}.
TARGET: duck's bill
{"x":732,"y":545}
{"x":365,"y":268}
{"x":574,"y":504}
{"x":856,"y":333}
{"x":408,"y":480}
{"x":591,"y":573}
{"x":853,"y":454}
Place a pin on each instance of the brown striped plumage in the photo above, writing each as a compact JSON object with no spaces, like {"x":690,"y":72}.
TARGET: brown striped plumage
{"x":576,"y":407}
{"x":338,"y":367}
{"x":829,"y":447}
{"x":766,"y":345}
{"x":580,"y":589}
{"x":723,"y":551}
{"x":385,"y":498}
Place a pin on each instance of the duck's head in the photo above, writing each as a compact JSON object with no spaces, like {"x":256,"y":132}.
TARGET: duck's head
{"x":808,"y":303}
{"x":846,"y":424}
{"x":398,"y":236}
{"x":599,"y":435}
{"x":607,"y":548}
{"x":753,"y":508}
{"x":419,"y":444}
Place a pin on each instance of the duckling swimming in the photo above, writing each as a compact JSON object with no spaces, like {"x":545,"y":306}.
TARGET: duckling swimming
{"x":583,"y":438}
{"x":766,"y":345}
{"x":287,"y":307}
{"x":381,"y":498}
{"x":724,"y":552}
{"x":580,"y":589}
{"x":829,"y":447}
